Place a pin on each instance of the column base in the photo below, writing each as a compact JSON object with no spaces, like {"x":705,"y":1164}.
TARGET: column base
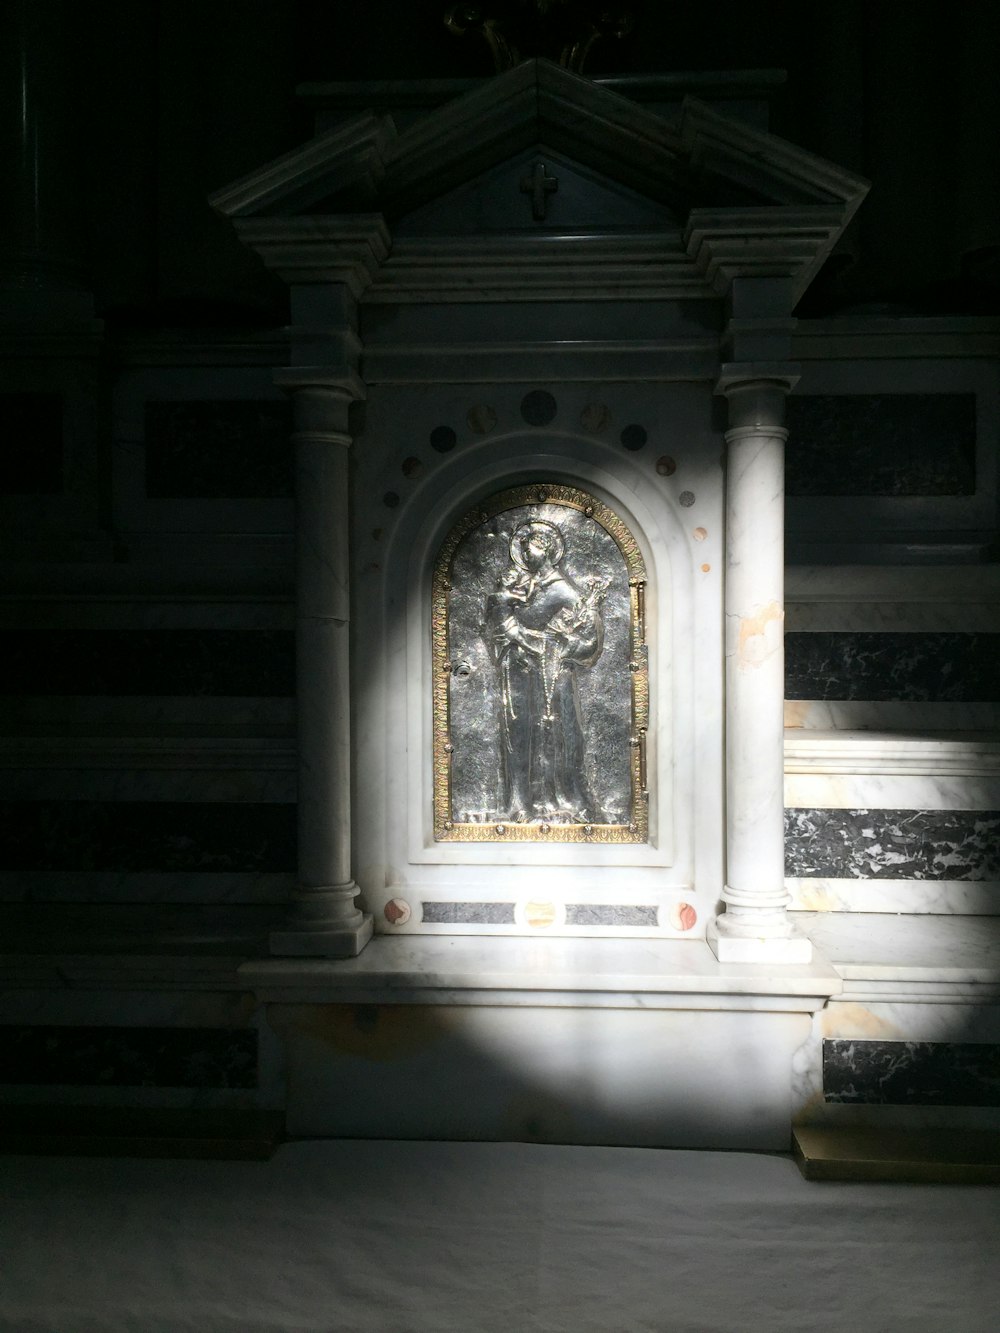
{"x":323,"y":922}
{"x":736,"y":939}
{"x":345,"y":941}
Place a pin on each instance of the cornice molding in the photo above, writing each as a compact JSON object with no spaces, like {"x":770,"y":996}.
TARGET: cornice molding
{"x":648,"y":362}
{"x":728,"y":152}
{"x":351,"y":156}
{"x":762,"y":242}
{"x":538,"y":268}
{"x":346,"y":249}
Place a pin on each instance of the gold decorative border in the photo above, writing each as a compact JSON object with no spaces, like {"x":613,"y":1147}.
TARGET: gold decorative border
{"x":445,"y":830}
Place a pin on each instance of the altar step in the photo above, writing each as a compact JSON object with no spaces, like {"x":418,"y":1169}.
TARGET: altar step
{"x":114,"y":1131}
{"x":927,"y":1156}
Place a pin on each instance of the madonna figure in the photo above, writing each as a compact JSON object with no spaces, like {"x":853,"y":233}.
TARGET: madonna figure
{"x":542,"y":631}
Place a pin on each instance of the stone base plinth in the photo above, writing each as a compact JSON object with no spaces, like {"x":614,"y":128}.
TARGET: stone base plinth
{"x":343,"y":942}
{"x":740,"y":945}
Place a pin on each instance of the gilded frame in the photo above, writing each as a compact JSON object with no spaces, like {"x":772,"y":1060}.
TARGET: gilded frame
{"x":446,"y":829}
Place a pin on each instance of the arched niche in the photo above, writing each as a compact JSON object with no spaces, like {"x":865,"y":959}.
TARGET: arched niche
{"x":610,"y":879}
{"x":539,"y":672}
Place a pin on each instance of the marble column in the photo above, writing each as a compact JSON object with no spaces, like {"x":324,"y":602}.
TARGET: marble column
{"x":755,"y":926}
{"x":324,"y":920}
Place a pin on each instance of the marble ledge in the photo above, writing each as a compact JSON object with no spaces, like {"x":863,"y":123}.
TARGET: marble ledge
{"x":866,"y":948}
{"x":863,"y":751}
{"x":512,"y":971}
{"x":812,"y":584}
{"x":943,"y":995}
{"x":138,"y":967}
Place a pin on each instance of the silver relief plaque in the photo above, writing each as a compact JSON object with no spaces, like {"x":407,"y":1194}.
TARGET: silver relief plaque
{"x":541,"y":686}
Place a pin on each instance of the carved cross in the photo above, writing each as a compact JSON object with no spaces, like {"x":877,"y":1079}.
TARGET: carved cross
{"x":539,"y":186}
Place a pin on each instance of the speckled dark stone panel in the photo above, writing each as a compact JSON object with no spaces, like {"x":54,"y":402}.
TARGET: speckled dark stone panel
{"x":881,"y":444}
{"x":31,"y":444}
{"x":146,"y":836}
{"x":609,"y":914}
{"x":911,"y":1073}
{"x":219,"y":451}
{"x":893,"y":844}
{"x":126,"y":1057}
{"x":468,"y":914}
{"x":245,"y":663}
{"x":935,"y":668}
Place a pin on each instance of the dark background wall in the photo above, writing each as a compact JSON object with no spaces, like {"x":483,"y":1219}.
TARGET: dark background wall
{"x":152,"y":104}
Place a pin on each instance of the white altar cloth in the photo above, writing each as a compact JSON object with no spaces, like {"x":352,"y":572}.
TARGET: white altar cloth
{"x":395,"y":1237}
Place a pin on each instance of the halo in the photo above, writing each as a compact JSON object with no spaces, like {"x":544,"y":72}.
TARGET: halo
{"x":556,"y":544}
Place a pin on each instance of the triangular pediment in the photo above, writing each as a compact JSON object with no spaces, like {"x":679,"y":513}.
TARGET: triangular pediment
{"x":535,"y":191}
{"x":703,"y":160}
{"x":747,"y":201}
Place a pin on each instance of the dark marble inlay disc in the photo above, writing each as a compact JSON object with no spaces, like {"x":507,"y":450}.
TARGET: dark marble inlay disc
{"x":443,"y":439}
{"x":538,"y":407}
{"x":634,"y":437}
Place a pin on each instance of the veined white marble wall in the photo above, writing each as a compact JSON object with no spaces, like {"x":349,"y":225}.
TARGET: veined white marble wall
{"x":914,"y":1039}
{"x":893,"y":803}
{"x":871,"y":1037}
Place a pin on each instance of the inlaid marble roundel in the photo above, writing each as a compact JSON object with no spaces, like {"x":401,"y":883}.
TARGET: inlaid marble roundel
{"x":540,"y":695}
{"x":633,"y":437}
{"x":443,"y":439}
{"x":538,"y":408}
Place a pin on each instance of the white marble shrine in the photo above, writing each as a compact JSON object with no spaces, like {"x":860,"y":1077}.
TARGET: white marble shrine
{"x":641,"y":728}
{"x":542,"y":231}
{"x":556,"y":288}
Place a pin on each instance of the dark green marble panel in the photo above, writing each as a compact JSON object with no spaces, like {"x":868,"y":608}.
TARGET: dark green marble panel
{"x":936,"y":668}
{"x":893,"y":844}
{"x":247,"y":663}
{"x":143,"y":836}
{"x":128,"y":1057}
{"x":881,"y":444}
{"x":31,"y":444}
{"x":911,"y":1073}
{"x":219,"y":450}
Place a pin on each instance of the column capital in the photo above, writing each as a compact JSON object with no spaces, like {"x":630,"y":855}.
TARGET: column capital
{"x":737,"y":376}
{"x":321,"y":404}
{"x":756,"y":393}
{"x":321,"y":381}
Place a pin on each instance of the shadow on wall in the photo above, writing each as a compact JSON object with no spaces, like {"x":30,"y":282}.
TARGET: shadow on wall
{"x":623,"y":1076}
